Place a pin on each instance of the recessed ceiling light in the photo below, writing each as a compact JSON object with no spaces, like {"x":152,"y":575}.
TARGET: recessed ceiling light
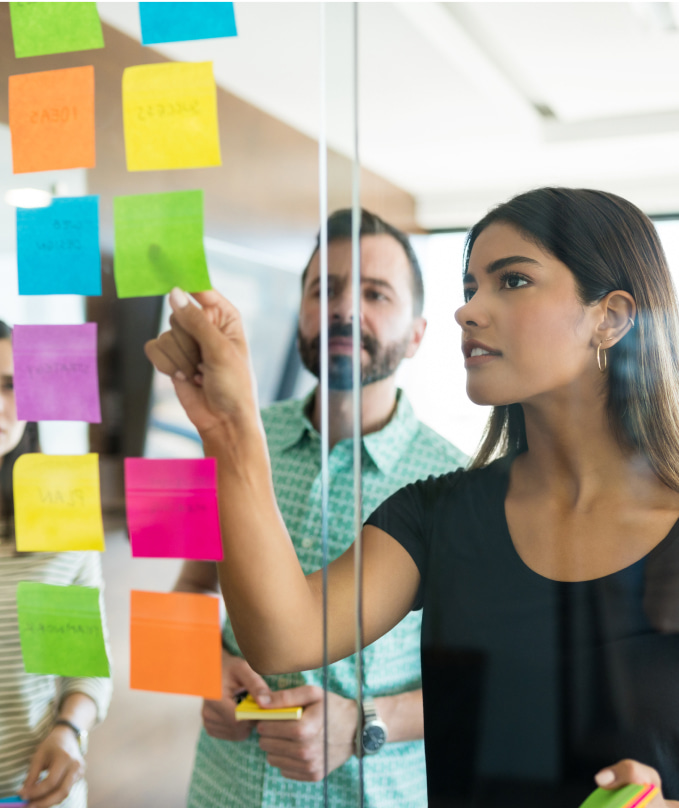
{"x":28,"y":198}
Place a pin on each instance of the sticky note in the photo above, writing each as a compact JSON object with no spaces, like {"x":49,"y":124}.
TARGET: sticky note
{"x":175,"y":643}
{"x":172,"y":508}
{"x":57,"y":503}
{"x":60,"y":630}
{"x":170,"y":116}
{"x":51,"y":120}
{"x":42,"y":28}
{"x":633,"y":795}
{"x":58,"y":248}
{"x":159,"y":243}
{"x":55,"y":372}
{"x":178,"y":22}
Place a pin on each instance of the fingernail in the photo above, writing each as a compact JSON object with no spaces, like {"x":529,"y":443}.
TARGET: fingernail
{"x":179,"y":376}
{"x":604,"y":778}
{"x":264,"y":698}
{"x":178,"y":298}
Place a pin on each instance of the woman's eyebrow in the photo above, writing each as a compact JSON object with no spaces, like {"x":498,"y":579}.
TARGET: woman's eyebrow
{"x":501,"y":263}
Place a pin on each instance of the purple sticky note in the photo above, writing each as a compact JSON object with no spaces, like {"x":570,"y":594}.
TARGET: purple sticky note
{"x":172,"y":508}
{"x":55,"y":372}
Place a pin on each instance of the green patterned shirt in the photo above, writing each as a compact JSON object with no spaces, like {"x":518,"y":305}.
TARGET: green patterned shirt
{"x":236,"y":774}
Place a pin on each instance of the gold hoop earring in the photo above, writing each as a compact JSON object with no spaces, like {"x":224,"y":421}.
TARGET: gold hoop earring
{"x":598,"y":355}
{"x":598,"y":358}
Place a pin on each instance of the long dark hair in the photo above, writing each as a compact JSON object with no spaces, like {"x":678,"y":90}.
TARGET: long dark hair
{"x":608,"y":244}
{"x":29,"y":442}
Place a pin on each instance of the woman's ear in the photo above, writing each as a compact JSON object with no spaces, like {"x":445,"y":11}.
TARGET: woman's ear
{"x":619,"y":314}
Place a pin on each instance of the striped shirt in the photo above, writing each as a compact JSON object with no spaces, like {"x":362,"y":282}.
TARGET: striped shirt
{"x":28,"y":702}
{"x":236,"y":774}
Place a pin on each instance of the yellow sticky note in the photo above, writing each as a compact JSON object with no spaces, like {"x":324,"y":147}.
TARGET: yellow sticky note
{"x":170,"y":116}
{"x":57,"y":504}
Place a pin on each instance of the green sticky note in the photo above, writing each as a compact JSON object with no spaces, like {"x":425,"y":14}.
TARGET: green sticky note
{"x":60,"y":630}
{"x":633,"y":795}
{"x":42,"y":28}
{"x":159,"y":243}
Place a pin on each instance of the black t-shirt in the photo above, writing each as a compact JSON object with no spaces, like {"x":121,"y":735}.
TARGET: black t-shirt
{"x":532,"y":685}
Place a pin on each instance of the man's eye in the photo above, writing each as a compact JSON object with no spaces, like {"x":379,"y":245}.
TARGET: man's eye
{"x":373,"y":294}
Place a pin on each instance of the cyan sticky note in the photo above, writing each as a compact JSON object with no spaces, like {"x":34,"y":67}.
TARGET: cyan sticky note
{"x":60,"y":630}
{"x":178,"y":22}
{"x":159,"y":243}
{"x":58,"y":248}
{"x":55,"y":373}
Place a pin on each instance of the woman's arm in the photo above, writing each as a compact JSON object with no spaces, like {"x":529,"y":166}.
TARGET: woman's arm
{"x":275,"y":611}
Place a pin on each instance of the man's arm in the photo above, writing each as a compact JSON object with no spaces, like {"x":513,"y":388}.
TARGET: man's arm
{"x":296,"y":747}
{"x":199,"y":577}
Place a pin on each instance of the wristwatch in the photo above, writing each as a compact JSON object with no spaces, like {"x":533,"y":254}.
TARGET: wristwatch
{"x":80,"y":734}
{"x":374,"y":731}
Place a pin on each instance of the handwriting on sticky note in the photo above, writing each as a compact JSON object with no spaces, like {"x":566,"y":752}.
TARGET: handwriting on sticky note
{"x":51,"y":119}
{"x":60,"y":630}
{"x":55,"y":372}
{"x":175,"y":643}
{"x":57,"y":503}
{"x":58,"y":248}
{"x":172,"y":508}
{"x":42,"y":28}
{"x":179,"y":22}
{"x":170,"y":116}
{"x":159,"y":243}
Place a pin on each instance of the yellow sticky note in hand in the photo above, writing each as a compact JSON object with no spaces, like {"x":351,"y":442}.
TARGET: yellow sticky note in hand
{"x":57,"y":503}
{"x":170,"y":116}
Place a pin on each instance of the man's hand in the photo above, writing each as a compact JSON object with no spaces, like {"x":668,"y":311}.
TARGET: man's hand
{"x":631,"y":771}
{"x":296,"y":747}
{"x":206,"y":355}
{"x":58,"y":755}
{"x":219,"y":717}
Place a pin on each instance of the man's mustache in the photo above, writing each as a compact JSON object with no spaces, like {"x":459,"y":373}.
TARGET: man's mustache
{"x":346,"y":330}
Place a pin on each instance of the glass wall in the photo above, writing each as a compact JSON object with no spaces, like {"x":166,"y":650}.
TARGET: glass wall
{"x":427,"y":115}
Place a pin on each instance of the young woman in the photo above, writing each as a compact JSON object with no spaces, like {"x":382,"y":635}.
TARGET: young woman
{"x":548,"y":576}
{"x":44,"y":720}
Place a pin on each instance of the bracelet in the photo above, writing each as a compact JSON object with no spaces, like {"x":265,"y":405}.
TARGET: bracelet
{"x":80,"y":734}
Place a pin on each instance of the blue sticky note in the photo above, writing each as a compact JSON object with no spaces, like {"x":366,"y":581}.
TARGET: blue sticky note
{"x":58,"y":248}
{"x":178,"y":22}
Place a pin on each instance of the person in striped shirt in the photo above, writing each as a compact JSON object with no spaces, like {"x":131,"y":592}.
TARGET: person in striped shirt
{"x":44,"y":719}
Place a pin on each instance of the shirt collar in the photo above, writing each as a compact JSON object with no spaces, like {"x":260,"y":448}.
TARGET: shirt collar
{"x":384,"y":448}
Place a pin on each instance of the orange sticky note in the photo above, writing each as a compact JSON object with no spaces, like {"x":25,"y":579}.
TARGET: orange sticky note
{"x":175,"y":643}
{"x":51,"y":119}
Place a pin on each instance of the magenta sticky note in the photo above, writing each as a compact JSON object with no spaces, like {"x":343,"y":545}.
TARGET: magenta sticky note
{"x":55,"y":372}
{"x":172,"y":508}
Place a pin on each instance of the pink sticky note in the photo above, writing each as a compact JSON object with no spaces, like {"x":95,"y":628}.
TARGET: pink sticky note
{"x":55,"y":372}
{"x":172,"y":508}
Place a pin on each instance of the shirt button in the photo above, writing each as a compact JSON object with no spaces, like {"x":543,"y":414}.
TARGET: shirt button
{"x":307,"y":543}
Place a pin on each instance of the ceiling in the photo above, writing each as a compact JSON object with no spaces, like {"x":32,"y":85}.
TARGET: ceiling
{"x":465,"y":104}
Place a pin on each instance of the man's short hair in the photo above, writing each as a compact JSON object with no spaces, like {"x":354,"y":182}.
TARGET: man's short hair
{"x":339,"y":227}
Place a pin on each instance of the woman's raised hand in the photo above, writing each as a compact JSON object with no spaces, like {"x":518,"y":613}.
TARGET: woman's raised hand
{"x":206,"y":355}
{"x":631,"y":771}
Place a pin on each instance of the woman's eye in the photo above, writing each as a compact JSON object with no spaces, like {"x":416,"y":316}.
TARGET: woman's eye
{"x":468,"y":294}
{"x":513,"y":281}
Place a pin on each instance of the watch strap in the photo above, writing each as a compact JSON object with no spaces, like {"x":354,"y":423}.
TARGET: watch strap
{"x":80,"y":734}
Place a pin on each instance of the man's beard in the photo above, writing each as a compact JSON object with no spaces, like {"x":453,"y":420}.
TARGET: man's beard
{"x":383,"y":359}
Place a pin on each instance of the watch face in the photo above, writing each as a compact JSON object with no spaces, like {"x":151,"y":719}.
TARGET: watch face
{"x":373,"y":738}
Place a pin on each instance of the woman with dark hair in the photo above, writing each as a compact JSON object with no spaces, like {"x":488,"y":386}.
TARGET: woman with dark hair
{"x":548,"y":572}
{"x":44,"y":719}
